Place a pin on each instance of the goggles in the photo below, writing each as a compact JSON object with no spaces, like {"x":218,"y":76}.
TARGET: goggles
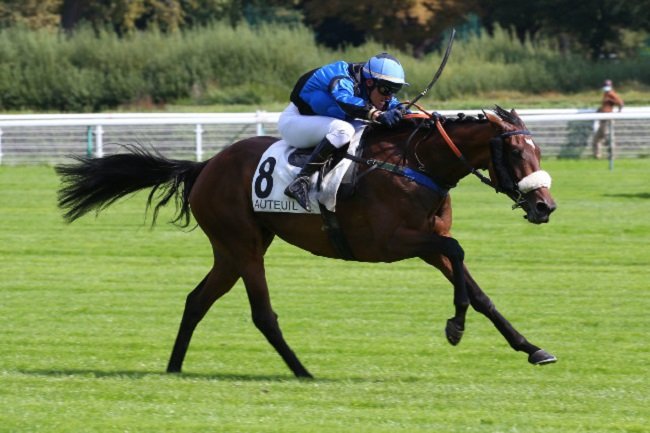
{"x":386,"y":88}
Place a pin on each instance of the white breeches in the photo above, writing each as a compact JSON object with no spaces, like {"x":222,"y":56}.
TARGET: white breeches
{"x":307,"y":131}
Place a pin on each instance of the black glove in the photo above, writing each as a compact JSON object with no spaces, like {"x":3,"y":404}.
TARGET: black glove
{"x":391,"y":117}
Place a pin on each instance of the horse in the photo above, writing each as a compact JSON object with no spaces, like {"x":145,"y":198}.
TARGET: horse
{"x":400,"y":208}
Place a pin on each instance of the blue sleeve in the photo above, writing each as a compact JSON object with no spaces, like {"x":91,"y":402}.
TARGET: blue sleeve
{"x":342,"y":89}
{"x":394,"y":102}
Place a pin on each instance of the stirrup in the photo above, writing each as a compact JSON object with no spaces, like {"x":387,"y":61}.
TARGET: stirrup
{"x":299,"y":191}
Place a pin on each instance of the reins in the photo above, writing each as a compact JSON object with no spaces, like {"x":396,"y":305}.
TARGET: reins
{"x":484,"y":179}
{"x":406,"y":172}
{"x":420,"y":176}
{"x":436,"y":120}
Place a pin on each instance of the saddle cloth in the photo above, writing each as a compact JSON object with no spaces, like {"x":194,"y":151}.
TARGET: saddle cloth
{"x":275,"y":171}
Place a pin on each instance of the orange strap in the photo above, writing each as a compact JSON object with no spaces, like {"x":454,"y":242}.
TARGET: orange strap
{"x":452,"y":146}
{"x":450,"y":143}
{"x":417,"y":116}
{"x":426,"y":115}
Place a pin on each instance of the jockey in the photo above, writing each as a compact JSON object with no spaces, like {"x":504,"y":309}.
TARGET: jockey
{"x":325,"y":102}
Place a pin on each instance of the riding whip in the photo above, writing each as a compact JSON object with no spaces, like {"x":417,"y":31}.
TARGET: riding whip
{"x":438,"y":72}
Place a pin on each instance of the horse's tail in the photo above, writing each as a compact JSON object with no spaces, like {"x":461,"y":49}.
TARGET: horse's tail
{"x":96,"y":183}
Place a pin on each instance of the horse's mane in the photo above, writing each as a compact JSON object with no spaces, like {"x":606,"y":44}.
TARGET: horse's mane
{"x":460,"y":119}
{"x":505,"y":115}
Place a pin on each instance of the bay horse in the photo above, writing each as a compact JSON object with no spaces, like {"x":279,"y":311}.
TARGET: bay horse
{"x":400,"y":209}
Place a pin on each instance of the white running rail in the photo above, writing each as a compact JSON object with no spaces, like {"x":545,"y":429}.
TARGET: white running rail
{"x":47,"y":138}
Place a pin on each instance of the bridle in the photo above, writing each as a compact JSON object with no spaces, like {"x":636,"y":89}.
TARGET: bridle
{"x":502,"y":171}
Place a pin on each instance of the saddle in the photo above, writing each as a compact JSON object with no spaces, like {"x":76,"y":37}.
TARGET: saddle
{"x":347,"y":185}
{"x":280,"y":164}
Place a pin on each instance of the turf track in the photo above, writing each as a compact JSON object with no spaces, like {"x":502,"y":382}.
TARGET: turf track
{"x":88,"y":313}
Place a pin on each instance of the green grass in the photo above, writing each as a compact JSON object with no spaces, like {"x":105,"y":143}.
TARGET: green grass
{"x":89,"y":311}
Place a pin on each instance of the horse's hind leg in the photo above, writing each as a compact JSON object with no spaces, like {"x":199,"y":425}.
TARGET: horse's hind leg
{"x":217,"y":283}
{"x":265,"y":318}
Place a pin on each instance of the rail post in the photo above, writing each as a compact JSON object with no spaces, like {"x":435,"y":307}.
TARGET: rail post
{"x":89,"y":141}
{"x":199,"y":142}
{"x":612,"y":145}
{"x":99,"y":141}
{"x":260,"y":125}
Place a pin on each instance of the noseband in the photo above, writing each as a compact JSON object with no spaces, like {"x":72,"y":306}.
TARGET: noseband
{"x":503,"y":171}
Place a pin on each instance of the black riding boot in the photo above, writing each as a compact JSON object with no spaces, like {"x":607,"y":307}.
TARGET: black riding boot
{"x":299,"y":188}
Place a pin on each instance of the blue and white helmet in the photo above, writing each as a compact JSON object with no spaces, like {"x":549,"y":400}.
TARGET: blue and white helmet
{"x":385,"y":69}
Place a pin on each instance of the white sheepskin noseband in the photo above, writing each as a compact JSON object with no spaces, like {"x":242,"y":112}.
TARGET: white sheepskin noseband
{"x":536,"y":180}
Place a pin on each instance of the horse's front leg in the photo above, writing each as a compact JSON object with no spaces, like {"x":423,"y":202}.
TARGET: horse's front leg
{"x":456,"y":325}
{"x":446,"y":254}
{"x":483,"y":304}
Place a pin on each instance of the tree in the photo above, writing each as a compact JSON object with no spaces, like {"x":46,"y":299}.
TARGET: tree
{"x":414,"y":25}
{"x":202,"y":12}
{"x":526,"y":18}
{"x":33,"y":14}
{"x":596,"y":23}
{"x":592,"y":24}
{"x":123,"y":15}
{"x":169,"y":15}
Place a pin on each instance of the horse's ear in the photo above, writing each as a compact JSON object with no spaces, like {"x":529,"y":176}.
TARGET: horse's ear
{"x":493,"y":118}
{"x":516,"y":120}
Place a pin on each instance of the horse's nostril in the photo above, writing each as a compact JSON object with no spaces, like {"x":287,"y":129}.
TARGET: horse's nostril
{"x":544,"y":208}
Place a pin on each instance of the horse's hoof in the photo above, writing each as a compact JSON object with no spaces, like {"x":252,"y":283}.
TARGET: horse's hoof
{"x":301,"y":372}
{"x":541,"y":357}
{"x":304,"y":375}
{"x":454,"y":332}
{"x":173,"y":369}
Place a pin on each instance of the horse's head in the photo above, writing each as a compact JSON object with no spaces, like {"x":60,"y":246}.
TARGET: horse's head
{"x":515,"y":166}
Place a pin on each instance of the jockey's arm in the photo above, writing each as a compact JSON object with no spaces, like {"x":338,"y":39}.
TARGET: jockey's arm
{"x":342,"y":89}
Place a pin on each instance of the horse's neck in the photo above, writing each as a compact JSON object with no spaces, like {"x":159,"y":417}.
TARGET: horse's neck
{"x":428,"y":151}
{"x":471,"y":138}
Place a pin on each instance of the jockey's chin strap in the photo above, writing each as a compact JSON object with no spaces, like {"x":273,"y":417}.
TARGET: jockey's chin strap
{"x":486,"y":180}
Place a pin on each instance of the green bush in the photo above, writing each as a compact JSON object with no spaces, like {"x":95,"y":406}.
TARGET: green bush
{"x":91,"y":71}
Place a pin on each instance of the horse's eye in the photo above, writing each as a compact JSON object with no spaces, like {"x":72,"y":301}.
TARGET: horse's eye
{"x":517,"y":153}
